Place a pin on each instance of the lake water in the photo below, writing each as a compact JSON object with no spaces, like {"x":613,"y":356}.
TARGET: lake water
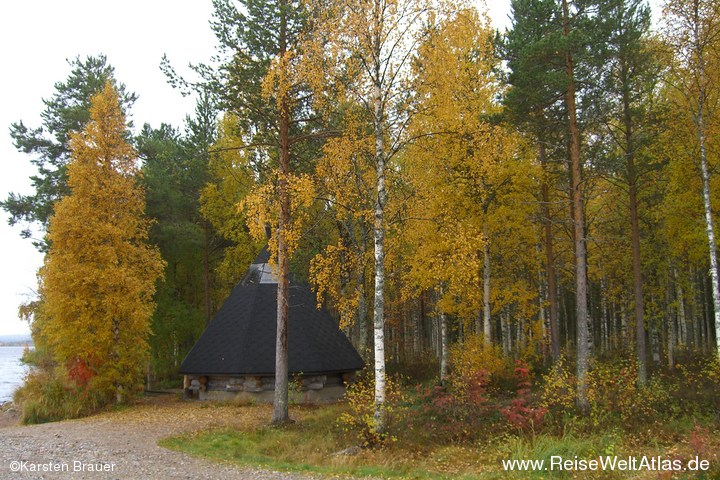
{"x":12,"y":372}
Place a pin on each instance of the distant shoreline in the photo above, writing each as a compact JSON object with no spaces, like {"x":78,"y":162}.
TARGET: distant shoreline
{"x":16,"y":340}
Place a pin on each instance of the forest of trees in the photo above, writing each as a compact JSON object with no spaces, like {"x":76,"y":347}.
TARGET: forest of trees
{"x":457,"y":195}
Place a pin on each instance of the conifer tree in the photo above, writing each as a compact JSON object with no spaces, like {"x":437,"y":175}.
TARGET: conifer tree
{"x":68,"y":110}
{"x":257,"y":81}
{"x":624,"y":99}
{"x":548,"y":42}
{"x":533,"y":104}
{"x":99,"y":274}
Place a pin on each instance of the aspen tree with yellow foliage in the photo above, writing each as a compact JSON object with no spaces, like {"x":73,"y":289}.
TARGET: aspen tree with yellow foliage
{"x":100,"y":273}
{"x":468,"y":177}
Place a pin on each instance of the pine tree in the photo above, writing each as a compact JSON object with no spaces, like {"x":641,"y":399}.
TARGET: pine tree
{"x":628,"y":74}
{"x":99,"y":275}
{"x":258,"y":82}
{"x":68,"y":110}
{"x":548,"y":42}
{"x":532,"y":104}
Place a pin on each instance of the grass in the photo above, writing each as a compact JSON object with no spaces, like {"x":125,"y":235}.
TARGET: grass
{"x":311,"y":443}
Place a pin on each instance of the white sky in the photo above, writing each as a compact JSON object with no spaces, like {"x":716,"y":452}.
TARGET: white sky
{"x":36,"y":38}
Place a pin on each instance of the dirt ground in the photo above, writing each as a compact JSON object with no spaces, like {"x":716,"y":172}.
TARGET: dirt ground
{"x":123,"y":444}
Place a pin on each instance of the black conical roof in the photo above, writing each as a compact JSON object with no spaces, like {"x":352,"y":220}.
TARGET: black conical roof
{"x":241,"y":337}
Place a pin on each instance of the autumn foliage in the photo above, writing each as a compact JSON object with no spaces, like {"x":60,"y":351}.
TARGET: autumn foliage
{"x":99,"y":274}
{"x":522,"y":413}
{"x":530,"y":211}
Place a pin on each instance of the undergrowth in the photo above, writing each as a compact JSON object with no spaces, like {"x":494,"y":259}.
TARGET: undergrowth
{"x":467,"y":427}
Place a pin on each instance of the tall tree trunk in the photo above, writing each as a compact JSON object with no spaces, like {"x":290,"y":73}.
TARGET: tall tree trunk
{"x":581,"y":309}
{"x":696,"y":308}
{"x":566,"y":316}
{"x":487,"y":330}
{"x":549,"y":256}
{"x":702,"y":309}
{"x":379,"y":226}
{"x":417,"y":332}
{"x":362,"y":313}
{"x":280,"y":404}
{"x":709,"y":230}
{"x":672,"y":332}
{"x":612,"y":327}
{"x":424,"y":323}
{"x":206,"y":271}
{"x":655,"y":343}
{"x":622,"y":337}
{"x":604,"y":327}
{"x":635,"y":242}
{"x":542,"y":317}
{"x":681,"y":309}
{"x":505,"y":332}
{"x":119,"y":397}
{"x":443,"y":348}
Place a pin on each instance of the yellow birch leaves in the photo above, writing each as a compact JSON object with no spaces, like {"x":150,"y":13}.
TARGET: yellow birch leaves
{"x":469,"y":175}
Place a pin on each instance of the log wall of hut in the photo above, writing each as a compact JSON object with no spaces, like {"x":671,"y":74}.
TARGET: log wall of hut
{"x":304,"y":389}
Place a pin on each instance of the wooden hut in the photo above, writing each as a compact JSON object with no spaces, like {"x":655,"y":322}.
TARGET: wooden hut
{"x":234,"y":358}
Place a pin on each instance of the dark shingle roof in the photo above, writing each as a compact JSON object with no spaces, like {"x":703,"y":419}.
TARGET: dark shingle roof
{"x":241,"y":337}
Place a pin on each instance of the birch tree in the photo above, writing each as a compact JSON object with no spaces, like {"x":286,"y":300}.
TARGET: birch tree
{"x":692,"y":29}
{"x":451,"y":229}
{"x":368,"y":45}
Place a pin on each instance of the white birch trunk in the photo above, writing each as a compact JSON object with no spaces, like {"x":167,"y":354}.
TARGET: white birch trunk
{"x":487,"y":326}
{"x":709,"y":230}
{"x":681,"y":311}
{"x":379,"y":228}
{"x":443,"y":348}
{"x":604,"y":317}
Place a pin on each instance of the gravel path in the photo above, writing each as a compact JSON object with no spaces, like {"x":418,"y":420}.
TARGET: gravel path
{"x":123,"y":444}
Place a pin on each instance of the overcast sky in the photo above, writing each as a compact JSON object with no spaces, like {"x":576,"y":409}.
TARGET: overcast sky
{"x":36,"y":38}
